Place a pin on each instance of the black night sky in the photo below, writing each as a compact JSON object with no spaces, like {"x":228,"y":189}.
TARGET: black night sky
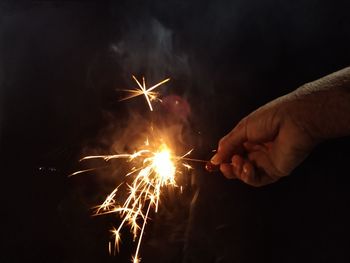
{"x":61,"y":63}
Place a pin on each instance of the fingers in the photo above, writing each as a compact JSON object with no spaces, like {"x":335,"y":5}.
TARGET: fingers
{"x":255,"y":143}
{"x":237,"y":164}
{"x":234,"y":169}
{"x":239,"y":168}
{"x":245,"y":171}
{"x":231,"y":170}
{"x":227,"y":171}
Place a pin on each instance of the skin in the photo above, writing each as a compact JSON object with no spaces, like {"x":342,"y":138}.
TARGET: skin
{"x":270,"y":142}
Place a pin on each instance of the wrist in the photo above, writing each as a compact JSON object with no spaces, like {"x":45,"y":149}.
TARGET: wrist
{"x":321,"y":113}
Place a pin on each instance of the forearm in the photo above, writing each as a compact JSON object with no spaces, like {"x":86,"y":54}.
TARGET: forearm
{"x":322,"y":107}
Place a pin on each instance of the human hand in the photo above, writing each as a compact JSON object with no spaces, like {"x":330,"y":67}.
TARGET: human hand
{"x":270,"y":142}
{"x":267,"y":144}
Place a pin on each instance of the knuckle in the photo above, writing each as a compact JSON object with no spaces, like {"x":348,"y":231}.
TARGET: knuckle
{"x":242,"y":123}
{"x":227,"y":171}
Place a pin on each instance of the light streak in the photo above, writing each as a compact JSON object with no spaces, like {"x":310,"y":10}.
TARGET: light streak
{"x":149,"y":93}
{"x":155,"y":168}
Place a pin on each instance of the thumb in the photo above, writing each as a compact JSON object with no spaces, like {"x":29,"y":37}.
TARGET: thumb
{"x":231,"y":143}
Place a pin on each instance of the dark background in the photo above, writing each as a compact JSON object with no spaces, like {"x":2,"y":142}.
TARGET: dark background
{"x":58,"y":78}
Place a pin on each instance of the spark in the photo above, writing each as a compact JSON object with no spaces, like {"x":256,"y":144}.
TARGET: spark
{"x":149,"y":93}
{"x":155,"y":168}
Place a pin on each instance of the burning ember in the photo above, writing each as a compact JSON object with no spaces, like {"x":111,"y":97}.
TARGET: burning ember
{"x":149,"y":93}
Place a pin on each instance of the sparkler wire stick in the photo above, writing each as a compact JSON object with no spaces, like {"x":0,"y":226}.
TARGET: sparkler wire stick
{"x":194,"y":160}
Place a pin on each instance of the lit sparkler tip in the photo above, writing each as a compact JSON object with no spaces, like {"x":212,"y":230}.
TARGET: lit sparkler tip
{"x":154,"y":168}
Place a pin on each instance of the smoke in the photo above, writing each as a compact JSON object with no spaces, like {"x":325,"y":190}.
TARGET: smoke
{"x":146,"y":47}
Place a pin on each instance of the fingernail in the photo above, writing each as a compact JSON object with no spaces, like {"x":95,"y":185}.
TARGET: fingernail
{"x":215,"y":159}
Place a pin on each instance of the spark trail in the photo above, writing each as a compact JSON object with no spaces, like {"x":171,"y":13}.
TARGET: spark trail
{"x":154,"y":168}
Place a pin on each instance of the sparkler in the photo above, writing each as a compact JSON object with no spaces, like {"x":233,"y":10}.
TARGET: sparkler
{"x":149,"y":93}
{"x":154,"y":168}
